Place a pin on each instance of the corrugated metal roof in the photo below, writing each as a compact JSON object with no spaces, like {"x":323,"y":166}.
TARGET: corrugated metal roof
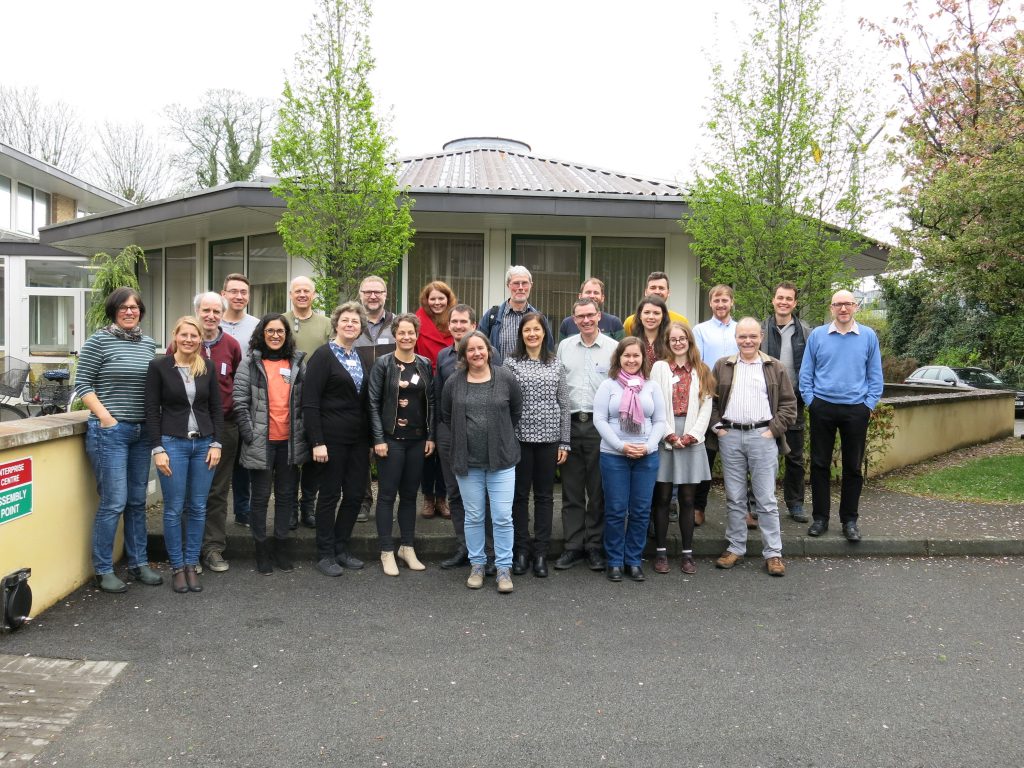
{"x":493,"y":170}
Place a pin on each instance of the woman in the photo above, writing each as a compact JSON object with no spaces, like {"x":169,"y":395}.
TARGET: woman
{"x":402,"y":425}
{"x":334,"y":405}
{"x":481,"y":405}
{"x":268,"y":397}
{"x":111,"y":381}
{"x":184,"y":422}
{"x":436,"y":302}
{"x":543,"y":434}
{"x":653,"y":316}
{"x":629,"y":413}
{"x":687,"y":387}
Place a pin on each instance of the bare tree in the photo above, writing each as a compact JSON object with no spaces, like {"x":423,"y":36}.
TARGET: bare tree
{"x":51,"y":131}
{"x":223,"y":138}
{"x":129,"y":162}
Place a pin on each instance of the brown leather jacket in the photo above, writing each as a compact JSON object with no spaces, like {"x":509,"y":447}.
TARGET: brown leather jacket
{"x":781,"y":398}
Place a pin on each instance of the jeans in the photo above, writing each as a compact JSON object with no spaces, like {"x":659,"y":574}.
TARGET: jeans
{"x":477,"y":488}
{"x":582,"y":493}
{"x":433,"y":477}
{"x":185,"y":493}
{"x":342,"y":475}
{"x":851,"y":422}
{"x":120,"y":460}
{"x":284,"y":477}
{"x":241,"y":491}
{"x":398,"y":474}
{"x":536,"y":470}
{"x":628,"y":490}
{"x":215,"y":536}
{"x":744,"y":451}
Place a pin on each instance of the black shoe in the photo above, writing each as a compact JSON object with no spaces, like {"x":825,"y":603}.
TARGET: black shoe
{"x":596,"y":560}
{"x":797,"y":513}
{"x":264,"y":565}
{"x":279,"y":552}
{"x":614,"y":573}
{"x":540,"y":566}
{"x":242,"y":521}
{"x":294,"y":522}
{"x":459,"y":560}
{"x":851,"y":532}
{"x":568,"y":559}
{"x":309,"y":520}
{"x":636,"y":572}
{"x":351,"y":562}
{"x":490,"y":569}
{"x":817,"y":528}
{"x":520,"y":565}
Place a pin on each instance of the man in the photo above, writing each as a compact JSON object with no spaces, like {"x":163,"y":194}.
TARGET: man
{"x":376,"y":341}
{"x":587,"y":356}
{"x":610,"y":325}
{"x":841,"y":382}
{"x":716,"y":338}
{"x":223,"y":355}
{"x":310,"y":331}
{"x":657,"y":285}
{"x":461,"y":321}
{"x":783,"y":337}
{"x":239,"y":325}
{"x":754,"y":406}
{"x":502,"y":321}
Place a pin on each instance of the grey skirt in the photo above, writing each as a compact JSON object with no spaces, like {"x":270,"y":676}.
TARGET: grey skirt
{"x":683,"y":466}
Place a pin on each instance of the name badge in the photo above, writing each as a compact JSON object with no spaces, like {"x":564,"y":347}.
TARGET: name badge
{"x":415,"y":379}
{"x":384,"y":341}
{"x":223,"y":369}
{"x":286,"y":374}
{"x":675,"y":379}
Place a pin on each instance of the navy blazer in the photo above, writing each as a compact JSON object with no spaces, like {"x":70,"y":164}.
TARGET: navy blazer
{"x":167,"y":405}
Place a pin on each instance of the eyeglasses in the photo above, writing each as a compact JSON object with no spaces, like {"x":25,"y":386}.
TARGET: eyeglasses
{"x":237,"y":292}
{"x":520,"y":284}
{"x":678,"y":340}
{"x":588,"y":316}
{"x":372,"y":293}
{"x":843,"y":304}
{"x":128,"y":309}
{"x":273,"y":332}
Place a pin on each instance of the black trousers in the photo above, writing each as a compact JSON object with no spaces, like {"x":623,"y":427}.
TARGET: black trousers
{"x":444,"y":460}
{"x":308,"y":484}
{"x":851,"y":422}
{"x":700,"y":498}
{"x":342,"y":476}
{"x":582,"y":493}
{"x":536,"y":470}
{"x":793,"y":478}
{"x":283,"y":477}
{"x":398,"y":474}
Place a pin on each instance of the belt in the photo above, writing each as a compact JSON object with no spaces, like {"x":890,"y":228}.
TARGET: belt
{"x":193,"y":435}
{"x":745,"y":427}
{"x":582,"y":416}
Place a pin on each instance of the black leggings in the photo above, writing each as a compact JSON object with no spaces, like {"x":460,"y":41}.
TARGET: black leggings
{"x":659,"y":512}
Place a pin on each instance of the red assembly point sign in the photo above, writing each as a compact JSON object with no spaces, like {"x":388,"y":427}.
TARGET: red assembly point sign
{"x":15,"y":489}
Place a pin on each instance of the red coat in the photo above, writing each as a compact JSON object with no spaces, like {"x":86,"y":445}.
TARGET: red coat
{"x":431,"y":341}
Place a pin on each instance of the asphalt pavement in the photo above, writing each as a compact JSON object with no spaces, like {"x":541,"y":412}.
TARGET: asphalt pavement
{"x":852,"y":661}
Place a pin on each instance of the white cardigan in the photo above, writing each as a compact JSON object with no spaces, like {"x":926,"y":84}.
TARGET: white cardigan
{"x":698,"y":412}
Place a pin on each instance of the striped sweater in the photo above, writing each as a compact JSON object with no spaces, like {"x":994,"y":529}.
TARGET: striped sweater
{"x":115,"y":370}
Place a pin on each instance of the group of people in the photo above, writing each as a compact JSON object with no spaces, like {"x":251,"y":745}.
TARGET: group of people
{"x":477,"y":412}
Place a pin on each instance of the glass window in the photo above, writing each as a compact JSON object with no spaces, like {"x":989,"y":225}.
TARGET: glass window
{"x":623,"y":263}
{"x":41,"y":211}
{"x":41,"y":273}
{"x":556,"y":264}
{"x":268,"y":275}
{"x":226,"y":257}
{"x":5,"y":203}
{"x":3,"y":305}
{"x":151,"y":286}
{"x":23,"y":216}
{"x":457,"y":259}
{"x":51,"y":325}
{"x":180,"y":278}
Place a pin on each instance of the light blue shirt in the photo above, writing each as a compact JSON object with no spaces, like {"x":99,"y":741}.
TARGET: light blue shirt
{"x":842,"y":368}
{"x":715,"y":340}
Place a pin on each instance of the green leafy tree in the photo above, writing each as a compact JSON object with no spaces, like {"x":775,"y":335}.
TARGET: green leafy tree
{"x":111,"y":273}
{"x":346,"y":215}
{"x":790,"y":174}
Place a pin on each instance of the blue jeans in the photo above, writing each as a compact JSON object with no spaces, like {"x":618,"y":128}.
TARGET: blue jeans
{"x":628,"y":489}
{"x":185,"y":493}
{"x":476,"y":488}
{"x":120,"y":461}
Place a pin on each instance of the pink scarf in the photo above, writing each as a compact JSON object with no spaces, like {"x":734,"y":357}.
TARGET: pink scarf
{"x":631,"y":413}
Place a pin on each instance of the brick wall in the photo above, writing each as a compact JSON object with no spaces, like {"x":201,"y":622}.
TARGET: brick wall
{"x":62,"y":209}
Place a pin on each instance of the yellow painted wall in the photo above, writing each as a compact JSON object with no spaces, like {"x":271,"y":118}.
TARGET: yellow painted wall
{"x":55,"y":538}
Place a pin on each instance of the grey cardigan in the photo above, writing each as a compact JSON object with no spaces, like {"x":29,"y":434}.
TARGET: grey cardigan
{"x":502,"y":445}
{"x":253,"y":414}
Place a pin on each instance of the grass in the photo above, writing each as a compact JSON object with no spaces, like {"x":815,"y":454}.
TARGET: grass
{"x":988,"y":479}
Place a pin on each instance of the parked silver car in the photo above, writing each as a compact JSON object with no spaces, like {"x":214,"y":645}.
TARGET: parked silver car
{"x":970,"y":378}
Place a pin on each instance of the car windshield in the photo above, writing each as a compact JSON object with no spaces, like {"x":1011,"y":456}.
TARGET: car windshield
{"x":979,"y":378}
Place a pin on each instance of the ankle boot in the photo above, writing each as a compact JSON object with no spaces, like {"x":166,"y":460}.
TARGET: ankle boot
{"x":387,"y":561}
{"x":192,"y":579}
{"x":408,"y":556}
{"x":178,"y":583}
{"x":282,"y":560}
{"x":458,"y":560}
{"x":263,"y":564}
{"x":428,"y":507}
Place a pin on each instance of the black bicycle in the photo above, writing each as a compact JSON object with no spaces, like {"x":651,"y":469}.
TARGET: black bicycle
{"x":13,"y":375}
{"x":53,"y":393}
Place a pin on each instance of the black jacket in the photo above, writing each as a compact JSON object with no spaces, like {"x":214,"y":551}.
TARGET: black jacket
{"x":167,"y":405}
{"x":334,"y":411}
{"x":384,"y":396}
{"x":771,"y":343}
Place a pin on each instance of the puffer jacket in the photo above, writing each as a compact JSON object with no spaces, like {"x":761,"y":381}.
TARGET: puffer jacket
{"x":384,"y":394}
{"x":252,"y":413}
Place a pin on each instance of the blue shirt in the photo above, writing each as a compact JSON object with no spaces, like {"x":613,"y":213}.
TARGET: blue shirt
{"x":349,"y":361}
{"x":715,"y":340}
{"x":842,"y":368}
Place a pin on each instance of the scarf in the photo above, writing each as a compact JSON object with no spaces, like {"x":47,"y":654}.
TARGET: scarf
{"x":631,"y":413}
{"x":115,"y":330}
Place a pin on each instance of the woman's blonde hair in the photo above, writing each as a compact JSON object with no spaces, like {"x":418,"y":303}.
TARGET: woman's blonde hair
{"x":198,"y":366}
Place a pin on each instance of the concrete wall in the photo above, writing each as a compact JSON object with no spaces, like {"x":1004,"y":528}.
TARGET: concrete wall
{"x":54,"y":539}
{"x":932,"y":422}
